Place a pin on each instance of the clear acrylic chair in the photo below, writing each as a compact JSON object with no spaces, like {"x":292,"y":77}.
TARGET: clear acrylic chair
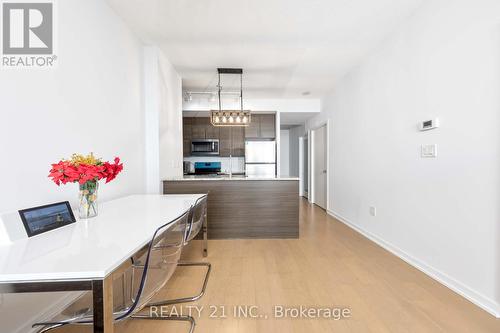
{"x":197,"y":221}
{"x":146,"y":275}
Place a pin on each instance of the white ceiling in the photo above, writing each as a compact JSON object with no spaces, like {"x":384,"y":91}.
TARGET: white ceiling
{"x":286,"y":47}
{"x":295,"y":118}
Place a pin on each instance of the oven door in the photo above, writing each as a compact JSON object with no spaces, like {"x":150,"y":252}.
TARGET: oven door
{"x":205,"y":147}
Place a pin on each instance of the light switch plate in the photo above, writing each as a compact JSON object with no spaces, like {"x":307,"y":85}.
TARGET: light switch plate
{"x":373,"y":211}
{"x":429,"y":151}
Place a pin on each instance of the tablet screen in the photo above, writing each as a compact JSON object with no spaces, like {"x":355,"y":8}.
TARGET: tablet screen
{"x":44,"y":218}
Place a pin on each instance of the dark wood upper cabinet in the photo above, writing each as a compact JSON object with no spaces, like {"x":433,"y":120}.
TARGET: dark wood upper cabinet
{"x":186,"y":148}
{"x":187,"y":132}
{"x":211,"y":131}
{"x":262,"y":126}
{"x":187,"y":128}
{"x":199,"y":130}
{"x":267,"y":126}
{"x":231,"y":139}
{"x":224,"y":141}
{"x":203,"y":129}
{"x":238,"y":141}
{"x":252,"y":131}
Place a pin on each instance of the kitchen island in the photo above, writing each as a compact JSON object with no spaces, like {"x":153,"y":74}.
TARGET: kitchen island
{"x":245,"y":207}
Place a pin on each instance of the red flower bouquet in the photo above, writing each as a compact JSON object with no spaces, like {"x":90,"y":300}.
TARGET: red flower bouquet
{"x":86,"y":171}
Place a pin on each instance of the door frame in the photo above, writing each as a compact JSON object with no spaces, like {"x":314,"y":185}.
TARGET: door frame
{"x":311,"y":140}
{"x":301,"y":167}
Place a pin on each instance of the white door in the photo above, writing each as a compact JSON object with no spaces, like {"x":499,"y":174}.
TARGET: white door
{"x":319,"y":168}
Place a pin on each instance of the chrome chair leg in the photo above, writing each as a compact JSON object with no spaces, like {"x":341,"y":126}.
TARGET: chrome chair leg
{"x":205,"y":236}
{"x":47,"y":328}
{"x":191,"y":298}
{"x":169,"y":317}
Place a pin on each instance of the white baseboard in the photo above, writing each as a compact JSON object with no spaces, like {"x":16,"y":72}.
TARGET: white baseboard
{"x":480,"y":300}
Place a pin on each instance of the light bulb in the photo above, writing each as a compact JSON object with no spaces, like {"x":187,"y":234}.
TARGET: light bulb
{"x":245,"y":119}
{"x":224,"y":119}
{"x":231,"y":119}
{"x":238,"y":119}
{"x":217,"y":119}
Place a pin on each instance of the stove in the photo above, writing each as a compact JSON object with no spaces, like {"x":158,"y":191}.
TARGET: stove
{"x":204,"y":168}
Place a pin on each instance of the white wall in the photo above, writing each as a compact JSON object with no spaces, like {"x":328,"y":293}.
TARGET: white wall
{"x":439,"y":214}
{"x":163,"y":114}
{"x":170,"y":120}
{"x":152,"y":108}
{"x":88,"y":103}
{"x":92,"y":102}
{"x":284,"y":152}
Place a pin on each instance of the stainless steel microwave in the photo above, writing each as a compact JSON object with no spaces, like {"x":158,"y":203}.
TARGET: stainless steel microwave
{"x":205,"y":147}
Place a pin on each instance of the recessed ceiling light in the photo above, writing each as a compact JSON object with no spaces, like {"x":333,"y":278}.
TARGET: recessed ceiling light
{"x":305,"y":93}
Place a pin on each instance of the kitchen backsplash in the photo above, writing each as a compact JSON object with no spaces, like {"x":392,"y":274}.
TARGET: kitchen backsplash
{"x":238,"y":162}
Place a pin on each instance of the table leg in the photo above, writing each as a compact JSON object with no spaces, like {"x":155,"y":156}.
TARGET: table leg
{"x":102,"y":292}
{"x":205,"y":236}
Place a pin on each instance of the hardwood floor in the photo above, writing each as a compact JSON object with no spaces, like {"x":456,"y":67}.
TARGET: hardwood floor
{"x":329,"y":266}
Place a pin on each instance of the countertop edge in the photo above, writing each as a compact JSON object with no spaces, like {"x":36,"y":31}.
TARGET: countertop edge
{"x":229,"y":179}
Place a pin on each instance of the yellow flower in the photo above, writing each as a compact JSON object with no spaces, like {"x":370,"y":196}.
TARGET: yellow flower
{"x":78,"y":159}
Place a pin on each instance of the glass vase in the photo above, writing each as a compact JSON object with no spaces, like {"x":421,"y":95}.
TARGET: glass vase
{"x":88,"y":200}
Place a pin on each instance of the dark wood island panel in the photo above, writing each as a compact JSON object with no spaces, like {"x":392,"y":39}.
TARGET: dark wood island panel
{"x":246,"y":208}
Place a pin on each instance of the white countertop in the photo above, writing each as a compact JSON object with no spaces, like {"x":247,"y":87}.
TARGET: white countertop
{"x":92,"y":248}
{"x":226,"y":178}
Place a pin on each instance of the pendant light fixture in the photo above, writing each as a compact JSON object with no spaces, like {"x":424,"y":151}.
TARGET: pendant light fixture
{"x":222,"y":117}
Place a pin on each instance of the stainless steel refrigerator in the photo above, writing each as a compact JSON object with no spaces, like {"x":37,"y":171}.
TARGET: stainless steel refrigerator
{"x":260,"y":158}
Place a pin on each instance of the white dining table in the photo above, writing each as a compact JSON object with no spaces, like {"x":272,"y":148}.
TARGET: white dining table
{"x":83,"y":256}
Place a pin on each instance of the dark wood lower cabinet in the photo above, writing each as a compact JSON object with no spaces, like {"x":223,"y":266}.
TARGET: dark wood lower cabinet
{"x":246,"y":208}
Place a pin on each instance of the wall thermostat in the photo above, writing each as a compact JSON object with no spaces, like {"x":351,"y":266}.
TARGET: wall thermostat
{"x":429,"y":124}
